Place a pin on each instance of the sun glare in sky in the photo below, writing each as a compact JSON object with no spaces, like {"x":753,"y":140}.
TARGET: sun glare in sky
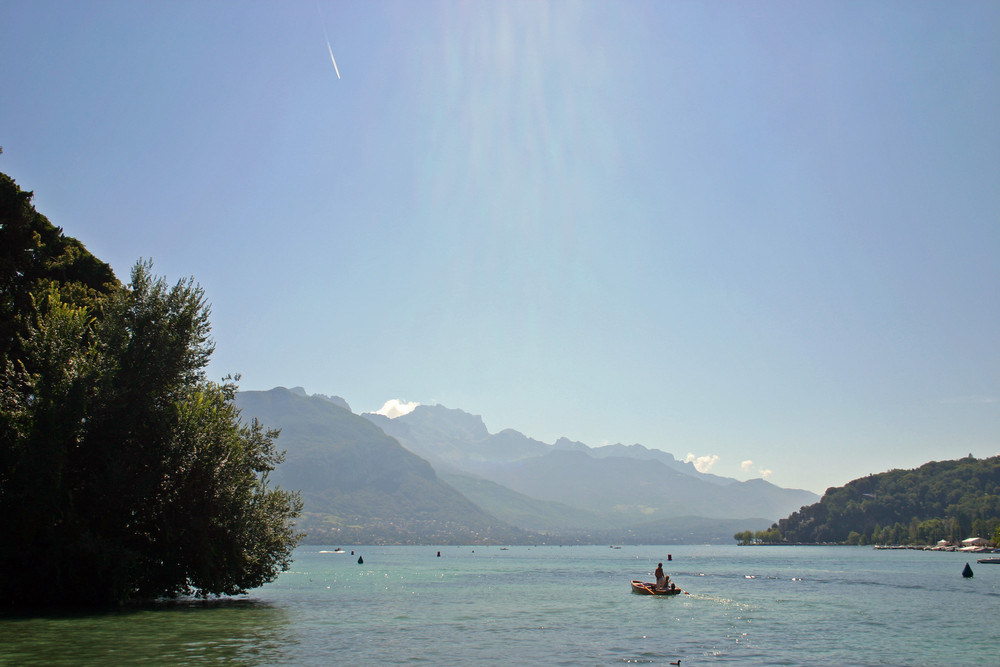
{"x":760,"y":234}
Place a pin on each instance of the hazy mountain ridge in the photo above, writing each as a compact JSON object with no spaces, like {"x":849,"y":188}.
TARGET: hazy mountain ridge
{"x":523,"y":511}
{"x":640,"y":452}
{"x":437,"y":475}
{"x":626,"y":482}
{"x":358,"y":484}
{"x":336,"y":400}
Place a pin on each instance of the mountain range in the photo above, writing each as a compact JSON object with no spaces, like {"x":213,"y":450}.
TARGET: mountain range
{"x":436,"y":475}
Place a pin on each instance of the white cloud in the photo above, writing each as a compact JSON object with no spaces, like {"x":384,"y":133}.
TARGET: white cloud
{"x":747,"y":466}
{"x":702,"y":463}
{"x":395,"y":407}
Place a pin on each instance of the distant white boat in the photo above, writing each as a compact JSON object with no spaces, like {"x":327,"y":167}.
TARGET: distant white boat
{"x":338,"y":550}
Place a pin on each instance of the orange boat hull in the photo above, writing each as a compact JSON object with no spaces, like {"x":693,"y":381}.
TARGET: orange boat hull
{"x":646,"y":588}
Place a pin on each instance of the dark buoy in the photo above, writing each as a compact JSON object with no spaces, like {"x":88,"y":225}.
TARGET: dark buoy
{"x":669,"y":557}
{"x":361,"y":561}
{"x":439,"y":554}
{"x":967,"y":572}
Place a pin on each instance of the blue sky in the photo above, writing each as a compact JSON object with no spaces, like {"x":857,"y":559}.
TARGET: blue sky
{"x":759,"y":232}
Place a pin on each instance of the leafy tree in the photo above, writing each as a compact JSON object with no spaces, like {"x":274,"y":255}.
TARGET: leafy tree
{"x":35,"y":254}
{"x":770,"y":536}
{"x":124,"y":472}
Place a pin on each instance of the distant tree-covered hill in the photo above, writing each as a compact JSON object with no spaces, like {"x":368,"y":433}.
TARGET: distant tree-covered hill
{"x":941,"y":500}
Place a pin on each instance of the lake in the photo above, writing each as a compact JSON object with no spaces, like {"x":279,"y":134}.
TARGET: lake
{"x":550,"y":605}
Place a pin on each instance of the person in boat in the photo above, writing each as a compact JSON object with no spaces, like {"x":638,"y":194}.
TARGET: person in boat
{"x":660,"y":580}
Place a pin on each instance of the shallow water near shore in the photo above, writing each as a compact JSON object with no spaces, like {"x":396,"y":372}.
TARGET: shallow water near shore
{"x":556,"y":606}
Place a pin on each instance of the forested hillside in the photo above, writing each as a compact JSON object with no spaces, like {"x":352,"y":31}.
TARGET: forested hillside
{"x":941,"y":500}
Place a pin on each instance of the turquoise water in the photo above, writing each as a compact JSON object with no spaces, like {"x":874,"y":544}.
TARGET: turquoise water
{"x":558,"y":606}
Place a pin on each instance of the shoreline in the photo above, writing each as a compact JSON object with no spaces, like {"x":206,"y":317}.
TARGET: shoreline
{"x":882,"y":547}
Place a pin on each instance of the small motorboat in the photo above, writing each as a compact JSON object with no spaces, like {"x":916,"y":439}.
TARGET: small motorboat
{"x":992,"y":561}
{"x":649,"y":588}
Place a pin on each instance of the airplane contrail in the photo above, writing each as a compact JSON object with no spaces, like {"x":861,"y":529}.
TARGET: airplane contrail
{"x":328,"y":47}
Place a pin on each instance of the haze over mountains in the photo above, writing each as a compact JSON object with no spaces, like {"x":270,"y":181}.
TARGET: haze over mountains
{"x":630,"y":483}
{"x":437,"y":475}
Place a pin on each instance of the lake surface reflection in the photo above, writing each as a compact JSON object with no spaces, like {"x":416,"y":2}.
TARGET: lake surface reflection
{"x":550,"y":605}
{"x":228,"y":631}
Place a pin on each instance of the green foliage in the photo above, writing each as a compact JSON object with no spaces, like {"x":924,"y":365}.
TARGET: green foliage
{"x":35,"y":255}
{"x":767,"y":536}
{"x":124,"y":473}
{"x":941,"y":500}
